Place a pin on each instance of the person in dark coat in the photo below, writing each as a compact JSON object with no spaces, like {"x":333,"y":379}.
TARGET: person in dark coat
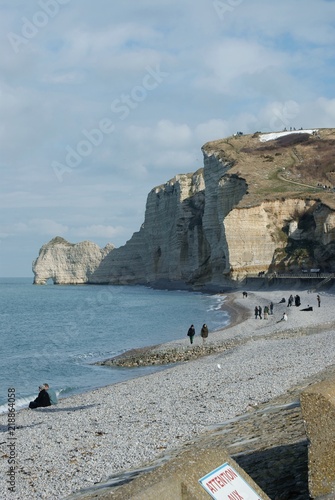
{"x":42,"y":399}
{"x":204,"y":332}
{"x":191,"y":333}
{"x":260,"y":312}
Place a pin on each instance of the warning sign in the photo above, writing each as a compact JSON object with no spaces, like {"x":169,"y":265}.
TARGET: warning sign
{"x":224,"y":483}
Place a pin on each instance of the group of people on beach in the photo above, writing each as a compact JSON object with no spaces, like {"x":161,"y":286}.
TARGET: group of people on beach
{"x":203,"y":333}
{"x":291,"y":300}
{"x":266,"y":311}
{"x":46,"y":397}
{"x":295,"y":299}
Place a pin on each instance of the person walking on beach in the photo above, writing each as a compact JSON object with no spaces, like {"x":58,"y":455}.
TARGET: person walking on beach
{"x":256,"y":312}
{"x":271,"y":307}
{"x":191,"y":333}
{"x":266,"y":312}
{"x":204,"y":333}
{"x":318,"y":298}
{"x":260,"y":312}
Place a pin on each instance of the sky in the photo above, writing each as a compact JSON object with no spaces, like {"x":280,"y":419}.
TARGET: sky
{"x":102,"y":101}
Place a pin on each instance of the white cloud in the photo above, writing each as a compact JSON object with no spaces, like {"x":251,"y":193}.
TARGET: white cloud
{"x":98,"y":231}
{"x":168,"y":134}
{"x":64,"y":78}
{"x":265,"y":65}
{"x":211,"y":130}
{"x":328,"y":107}
{"x":280,"y":115}
{"x":165,"y":134}
{"x":235,"y":59}
{"x":38,"y":226}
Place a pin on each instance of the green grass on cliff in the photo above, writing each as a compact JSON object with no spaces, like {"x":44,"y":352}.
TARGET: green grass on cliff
{"x":294,"y":166}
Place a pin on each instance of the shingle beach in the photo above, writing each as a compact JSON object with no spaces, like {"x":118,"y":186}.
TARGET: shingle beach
{"x":88,"y":437}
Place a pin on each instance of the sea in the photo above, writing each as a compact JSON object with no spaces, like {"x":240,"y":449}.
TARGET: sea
{"x":54,"y":333}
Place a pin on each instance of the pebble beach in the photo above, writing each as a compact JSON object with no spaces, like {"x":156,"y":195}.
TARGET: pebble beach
{"x":87,"y":438}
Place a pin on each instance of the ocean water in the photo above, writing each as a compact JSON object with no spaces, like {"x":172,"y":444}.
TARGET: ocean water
{"x":54,"y":333}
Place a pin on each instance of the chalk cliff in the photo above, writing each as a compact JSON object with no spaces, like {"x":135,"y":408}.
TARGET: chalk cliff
{"x":68,"y":263}
{"x":260,"y":203}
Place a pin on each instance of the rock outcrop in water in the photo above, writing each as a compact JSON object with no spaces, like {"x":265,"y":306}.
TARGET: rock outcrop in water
{"x":67,"y":263}
{"x":257,"y":205}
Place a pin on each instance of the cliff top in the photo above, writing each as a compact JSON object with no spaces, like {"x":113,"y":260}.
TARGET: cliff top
{"x":297,"y":164}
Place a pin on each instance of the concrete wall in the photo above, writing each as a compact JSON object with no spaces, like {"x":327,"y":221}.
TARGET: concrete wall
{"x":178,"y":479}
{"x":318,"y":410}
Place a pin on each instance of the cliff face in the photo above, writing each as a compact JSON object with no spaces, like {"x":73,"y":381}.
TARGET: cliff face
{"x":246,"y":211}
{"x":67,"y":263}
{"x":255,"y":236}
{"x":170,"y":245}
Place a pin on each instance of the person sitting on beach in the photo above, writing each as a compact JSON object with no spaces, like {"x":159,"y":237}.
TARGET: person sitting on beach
{"x":282,"y":301}
{"x":42,"y":399}
{"x":52,"y":394}
{"x":204,"y":332}
{"x":308,"y":308}
{"x":284,"y":318}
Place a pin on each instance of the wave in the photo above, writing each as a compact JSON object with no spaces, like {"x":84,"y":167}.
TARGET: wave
{"x":23,"y":402}
{"x":19,"y":404}
{"x":94,"y":356}
{"x":220,"y":299}
{"x":67,"y":391}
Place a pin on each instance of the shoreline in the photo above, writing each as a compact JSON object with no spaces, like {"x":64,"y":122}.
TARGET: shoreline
{"x":126,"y":425}
{"x":87,"y":356}
{"x":171,"y":353}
